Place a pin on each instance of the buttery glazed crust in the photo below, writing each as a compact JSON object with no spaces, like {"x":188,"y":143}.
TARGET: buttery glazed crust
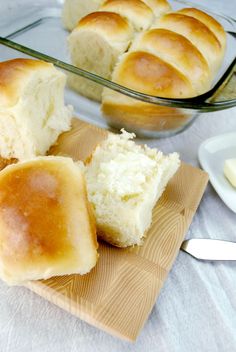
{"x":159,"y":7}
{"x":13,"y":76}
{"x":108,"y":24}
{"x":136,"y":11}
{"x":149,"y":74}
{"x":178,"y":51}
{"x":198,"y":33}
{"x":47,"y":227}
{"x":209,"y":21}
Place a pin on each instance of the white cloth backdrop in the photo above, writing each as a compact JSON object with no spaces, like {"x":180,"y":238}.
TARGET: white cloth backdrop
{"x":196,"y":310}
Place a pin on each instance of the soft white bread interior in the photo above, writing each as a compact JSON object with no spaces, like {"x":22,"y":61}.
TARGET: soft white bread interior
{"x":47,"y":227}
{"x":95,"y":45}
{"x":32,"y":109}
{"x":74,"y":10}
{"x":124,"y":182}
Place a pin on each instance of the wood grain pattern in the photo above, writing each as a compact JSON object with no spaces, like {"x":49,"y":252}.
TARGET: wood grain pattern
{"x":119,"y":293}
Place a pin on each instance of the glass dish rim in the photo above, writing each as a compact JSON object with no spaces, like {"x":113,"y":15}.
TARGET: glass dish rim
{"x":199,"y":103}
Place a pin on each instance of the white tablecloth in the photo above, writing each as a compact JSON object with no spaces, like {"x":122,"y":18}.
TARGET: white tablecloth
{"x":196,"y":310}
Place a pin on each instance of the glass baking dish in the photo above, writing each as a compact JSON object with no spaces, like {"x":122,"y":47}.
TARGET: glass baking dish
{"x":37,"y":31}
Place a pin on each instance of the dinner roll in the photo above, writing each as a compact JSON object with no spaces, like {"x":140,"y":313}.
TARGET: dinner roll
{"x":124,"y":182}
{"x":177,"y":51}
{"x":95,"y":45}
{"x":209,"y":21}
{"x":149,"y":74}
{"x":199,"y":34}
{"x":74,"y":10}
{"x":47,"y":227}
{"x":32,"y":110}
{"x":136,"y":12}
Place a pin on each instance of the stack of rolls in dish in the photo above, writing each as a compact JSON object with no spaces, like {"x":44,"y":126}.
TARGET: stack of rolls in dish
{"x":149,"y":49}
{"x":101,"y":37}
{"x":52,"y":208}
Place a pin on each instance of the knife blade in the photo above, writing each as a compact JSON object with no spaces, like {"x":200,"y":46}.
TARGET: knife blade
{"x":209,"y":249}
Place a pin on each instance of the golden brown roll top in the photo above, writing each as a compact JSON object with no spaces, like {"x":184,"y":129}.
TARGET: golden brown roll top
{"x":136,"y":11}
{"x":197,"y":33}
{"x":159,"y":7}
{"x":47,"y":227}
{"x":140,"y":13}
{"x":150,"y":74}
{"x":209,"y":21}
{"x":112,"y":27}
{"x":14,"y":76}
{"x":177,"y":51}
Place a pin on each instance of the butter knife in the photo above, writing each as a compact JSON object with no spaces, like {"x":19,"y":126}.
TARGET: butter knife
{"x":208,"y":249}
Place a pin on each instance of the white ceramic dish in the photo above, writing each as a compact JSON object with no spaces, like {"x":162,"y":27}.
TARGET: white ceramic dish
{"x":212,"y":154}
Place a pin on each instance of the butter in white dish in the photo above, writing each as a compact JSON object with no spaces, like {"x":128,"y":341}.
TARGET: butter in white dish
{"x":212,"y":155}
{"x":230,"y":171}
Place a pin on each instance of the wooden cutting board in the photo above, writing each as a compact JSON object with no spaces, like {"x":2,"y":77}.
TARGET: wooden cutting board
{"x":119,"y":294}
